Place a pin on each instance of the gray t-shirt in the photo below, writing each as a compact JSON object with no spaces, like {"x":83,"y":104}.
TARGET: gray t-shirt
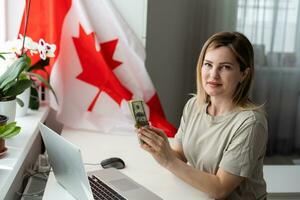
{"x":234,"y":142}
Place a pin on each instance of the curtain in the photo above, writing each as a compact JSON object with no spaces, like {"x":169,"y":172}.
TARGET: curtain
{"x":273,"y":28}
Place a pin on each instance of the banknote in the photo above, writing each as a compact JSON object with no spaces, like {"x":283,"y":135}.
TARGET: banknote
{"x":138,"y":113}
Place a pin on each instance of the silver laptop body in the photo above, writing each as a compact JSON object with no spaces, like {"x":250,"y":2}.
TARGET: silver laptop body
{"x":65,"y":159}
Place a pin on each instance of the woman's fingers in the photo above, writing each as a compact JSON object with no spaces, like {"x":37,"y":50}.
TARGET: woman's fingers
{"x":148,"y":144}
{"x":149,"y":133}
{"x":156,"y":144}
{"x":157,"y":131}
{"x":150,"y":141}
{"x":146,"y":147}
{"x":151,"y":138}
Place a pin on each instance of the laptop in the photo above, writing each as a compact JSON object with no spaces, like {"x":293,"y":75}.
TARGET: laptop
{"x":66,"y":161}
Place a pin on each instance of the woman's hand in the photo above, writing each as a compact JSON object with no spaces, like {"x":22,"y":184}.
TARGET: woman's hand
{"x":218,"y":186}
{"x":156,"y":143}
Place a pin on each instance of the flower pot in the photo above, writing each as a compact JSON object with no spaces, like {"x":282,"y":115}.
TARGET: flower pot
{"x":22,"y":111}
{"x":3,"y":121}
{"x":2,"y":147}
{"x":8,"y":108}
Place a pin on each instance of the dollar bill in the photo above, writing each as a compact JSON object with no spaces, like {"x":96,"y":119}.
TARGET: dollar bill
{"x":138,"y":113}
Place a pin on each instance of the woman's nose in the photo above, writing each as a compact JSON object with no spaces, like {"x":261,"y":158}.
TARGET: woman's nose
{"x":215,"y":73}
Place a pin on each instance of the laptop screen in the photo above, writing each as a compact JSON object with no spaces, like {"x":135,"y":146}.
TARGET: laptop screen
{"x":65,"y":159}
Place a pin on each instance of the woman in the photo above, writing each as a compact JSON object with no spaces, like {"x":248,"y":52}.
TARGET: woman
{"x":221,"y":142}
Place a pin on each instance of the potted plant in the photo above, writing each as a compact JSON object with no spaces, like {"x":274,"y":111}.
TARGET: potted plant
{"x":7,"y":131}
{"x":11,"y":81}
{"x":45,"y":52}
{"x":20,"y":74}
{"x":11,"y":85}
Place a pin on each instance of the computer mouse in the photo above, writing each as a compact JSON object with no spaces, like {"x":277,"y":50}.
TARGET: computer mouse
{"x":114,"y":162}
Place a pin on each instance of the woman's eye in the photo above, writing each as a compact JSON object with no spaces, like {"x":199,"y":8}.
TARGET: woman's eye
{"x":226,"y":67}
{"x":207,"y":65}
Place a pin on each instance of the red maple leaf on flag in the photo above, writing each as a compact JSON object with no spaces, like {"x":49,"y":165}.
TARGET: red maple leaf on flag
{"x":98,"y":66}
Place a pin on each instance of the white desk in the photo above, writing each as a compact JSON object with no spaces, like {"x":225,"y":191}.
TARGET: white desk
{"x":140,"y":165}
{"x":18,"y":149}
{"x":283,"y":181}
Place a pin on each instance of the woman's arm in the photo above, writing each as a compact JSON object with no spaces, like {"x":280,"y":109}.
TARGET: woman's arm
{"x":178,"y":151}
{"x":217,"y":186}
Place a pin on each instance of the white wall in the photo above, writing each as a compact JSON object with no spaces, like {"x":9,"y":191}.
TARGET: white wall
{"x":135,"y":14}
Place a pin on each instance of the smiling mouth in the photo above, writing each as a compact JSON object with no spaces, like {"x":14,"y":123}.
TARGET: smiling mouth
{"x":214,"y":84}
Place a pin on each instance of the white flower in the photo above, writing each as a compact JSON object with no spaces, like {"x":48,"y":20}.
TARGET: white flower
{"x":29,"y":45}
{"x":13,"y":49}
{"x":45,"y":49}
{"x":15,"y":46}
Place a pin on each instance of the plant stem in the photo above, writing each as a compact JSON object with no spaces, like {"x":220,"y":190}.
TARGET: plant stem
{"x":26,"y":23}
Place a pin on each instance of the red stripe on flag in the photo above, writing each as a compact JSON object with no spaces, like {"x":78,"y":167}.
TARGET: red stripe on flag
{"x":45,"y":21}
{"x":157,"y":117}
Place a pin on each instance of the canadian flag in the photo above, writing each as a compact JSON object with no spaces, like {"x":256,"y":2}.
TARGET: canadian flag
{"x":99,"y":65}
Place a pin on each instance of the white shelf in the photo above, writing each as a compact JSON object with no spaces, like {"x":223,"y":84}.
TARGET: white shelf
{"x":19,"y":147}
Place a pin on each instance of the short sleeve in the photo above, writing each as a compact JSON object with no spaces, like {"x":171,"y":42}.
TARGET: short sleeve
{"x":184,"y":118}
{"x":248,"y":145}
{"x":180,"y":131}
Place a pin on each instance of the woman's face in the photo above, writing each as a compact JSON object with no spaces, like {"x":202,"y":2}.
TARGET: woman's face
{"x":221,"y":73}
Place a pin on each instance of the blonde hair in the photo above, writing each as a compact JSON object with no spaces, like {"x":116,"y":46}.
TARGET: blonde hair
{"x":243,"y":51}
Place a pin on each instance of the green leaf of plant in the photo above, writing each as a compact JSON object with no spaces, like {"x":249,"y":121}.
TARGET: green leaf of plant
{"x":40,"y":78}
{"x":40,"y":65}
{"x":14,"y":132}
{"x":2,"y":128}
{"x":8,"y":128}
{"x":9,"y":85}
{"x":18,"y":87}
{"x":20,"y":102}
{"x":13,"y":72}
{"x":2,"y":53}
{"x":23,"y":76}
{"x":34,"y":102}
{"x":27,"y":59}
{"x":10,"y":124}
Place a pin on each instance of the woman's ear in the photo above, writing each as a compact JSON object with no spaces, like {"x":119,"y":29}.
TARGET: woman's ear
{"x":245,"y":74}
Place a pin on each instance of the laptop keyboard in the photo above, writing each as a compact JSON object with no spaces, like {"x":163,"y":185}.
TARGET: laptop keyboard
{"x":102,"y":191}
